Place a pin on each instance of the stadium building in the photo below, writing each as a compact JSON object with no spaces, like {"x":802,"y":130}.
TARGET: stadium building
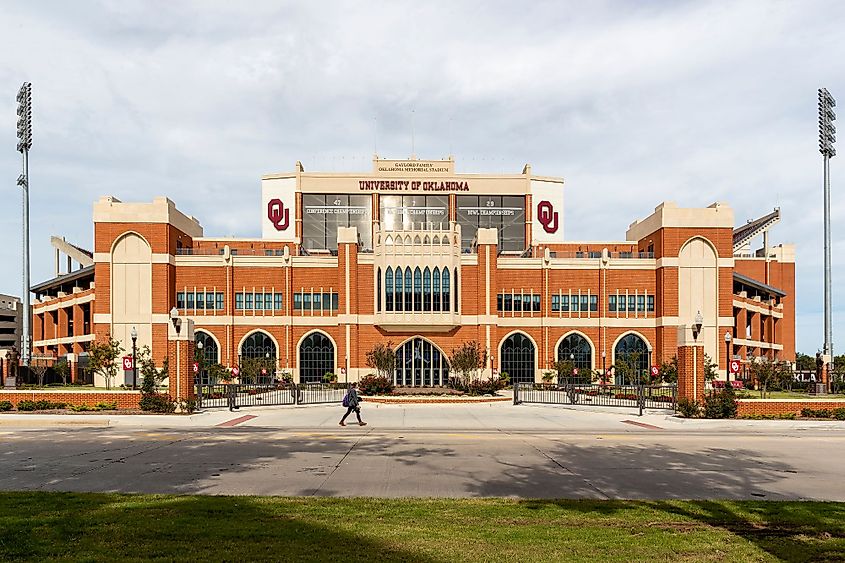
{"x":427,"y":258}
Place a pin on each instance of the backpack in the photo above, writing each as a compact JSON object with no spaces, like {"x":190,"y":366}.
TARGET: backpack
{"x":346,"y":400}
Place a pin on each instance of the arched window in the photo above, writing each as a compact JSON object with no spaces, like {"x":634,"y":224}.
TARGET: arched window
{"x":446,"y":290}
{"x":427,"y":289}
{"x":456,"y":290}
{"x":209,"y":353}
{"x":398,"y":291}
{"x":631,"y":359}
{"x":378,"y":291}
{"x":316,"y":358}
{"x":436,"y":290}
{"x":418,"y":290}
{"x":518,"y":358}
{"x":420,"y":363}
{"x":577,"y":349}
{"x":409,"y":291}
{"x":257,"y":359}
{"x":388,"y":289}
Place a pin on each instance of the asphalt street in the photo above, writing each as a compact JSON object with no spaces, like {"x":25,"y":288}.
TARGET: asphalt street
{"x":426,"y":451}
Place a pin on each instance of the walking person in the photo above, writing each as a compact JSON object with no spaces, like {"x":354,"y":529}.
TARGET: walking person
{"x":351,"y":401}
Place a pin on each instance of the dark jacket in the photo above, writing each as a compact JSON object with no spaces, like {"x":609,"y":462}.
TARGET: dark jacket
{"x":354,"y":399}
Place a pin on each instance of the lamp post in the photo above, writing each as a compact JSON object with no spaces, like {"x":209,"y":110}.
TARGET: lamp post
{"x":826,"y":139}
{"x":134,"y":335}
{"x":199,"y":361}
{"x":572,"y":361}
{"x":697,"y":324}
{"x":650,"y":350}
{"x":728,"y":339}
{"x":24,"y":99}
{"x":603,"y":366}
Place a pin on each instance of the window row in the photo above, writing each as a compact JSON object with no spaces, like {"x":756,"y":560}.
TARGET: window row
{"x":417,"y":290}
{"x":630,"y":303}
{"x":315,"y":301}
{"x":519,"y":302}
{"x":210,"y":300}
{"x":261,"y":301}
{"x":575,"y":303}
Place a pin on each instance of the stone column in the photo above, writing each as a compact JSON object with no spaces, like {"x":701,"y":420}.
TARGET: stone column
{"x":180,"y":359}
{"x":690,"y":365}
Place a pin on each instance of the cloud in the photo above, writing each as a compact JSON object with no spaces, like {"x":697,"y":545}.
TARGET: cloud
{"x":632,"y":103}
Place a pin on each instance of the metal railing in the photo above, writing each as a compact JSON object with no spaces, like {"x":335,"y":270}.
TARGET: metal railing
{"x":635,"y":396}
{"x":235,"y":395}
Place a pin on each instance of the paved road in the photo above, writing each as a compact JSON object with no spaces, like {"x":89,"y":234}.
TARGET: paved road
{"x":414,"y":451}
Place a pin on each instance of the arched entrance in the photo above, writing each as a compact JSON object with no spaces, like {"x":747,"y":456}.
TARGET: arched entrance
{"x":258,"y":352}
{"x":420,"y":363}
{"x":630,"y":359}
{"x":517,"y":355}
{"x":208,"y":350}
{"x":316,"y":358}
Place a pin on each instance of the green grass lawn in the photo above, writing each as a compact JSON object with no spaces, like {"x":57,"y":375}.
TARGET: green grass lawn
{"x":89,"y":527}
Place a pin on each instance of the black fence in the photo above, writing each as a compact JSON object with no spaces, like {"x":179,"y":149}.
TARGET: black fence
{"x":235,"y":395}
{"x":633,"y":396}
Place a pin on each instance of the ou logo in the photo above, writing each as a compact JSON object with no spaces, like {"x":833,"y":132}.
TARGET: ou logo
{"x":547,"y":216}
{"x":278,"y":214}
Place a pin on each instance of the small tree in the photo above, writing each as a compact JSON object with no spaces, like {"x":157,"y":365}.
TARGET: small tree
{"x":564,"y":369}
{"x":62,"y":369}
{"x":626,"y":367}
{"x":710,"y":368}
{"x":216,"y":372}
{"x":467,"y":360}
{"x":251,"y":369}
{"x":102,"y":359}
{"x":767,"y":373}
{"x":382,"y":358}
{"x":38,"y":365}
{"x":669,"y":370}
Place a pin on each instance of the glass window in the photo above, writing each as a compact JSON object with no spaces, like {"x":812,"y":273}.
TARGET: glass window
{"x":190,"y":302}
{"x":506,"y":214}
{"x":575,"y":303}
{"x":631,"y":303}
{"x":585,"y":303}
{"x":622,"y":303}
{"x":209,"y":300}
{"x":400,"y":303}
{"x":536,"y":303}
{"x":324,"y":213}
{"x":180,"y":300}
{"x":402,"y":212}
{"x":579,"y":347}
{"x":378,"y":291}
{"x":306,"y":301}
{"x":445,"y":292}
{"x":317,"y":301}
{"x":517,"y":358}
{"x":297,"y":301}
{"x":641,"y":303}
{"x":456,"y":291}
{"x":239,"y":301}
{"x":564,"y":303}
{"x":388,"y":289}
{"x":611,"y":303}
{"x":594,"y":303}
{"x":436,"y":290}
{"x":200,"y":300}
{"x":651,"y":303}
{"x":556,"y":303}
{"x":335,"y":302}
{"x":427,"y":289}
{"x":248,"y":300}
{"x":409,"y":291}
{"x":220,"y":299}
{"x":418,"y":290}
{"x":278,"y":301}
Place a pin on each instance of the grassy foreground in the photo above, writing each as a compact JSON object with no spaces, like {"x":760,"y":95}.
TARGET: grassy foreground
{"x":69,"y":526}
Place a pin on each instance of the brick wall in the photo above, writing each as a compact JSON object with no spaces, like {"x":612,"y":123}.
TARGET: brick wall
{"x":760,"y":406}
{"x":125,"y":399}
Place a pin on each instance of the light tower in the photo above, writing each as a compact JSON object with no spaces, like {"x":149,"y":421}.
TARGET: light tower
{"x":827,"y":136}
{"x":24,"y":144}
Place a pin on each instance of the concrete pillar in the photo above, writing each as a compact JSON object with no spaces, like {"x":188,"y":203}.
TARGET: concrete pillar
{"x":180,"y":359}
{"x":690,"y":365}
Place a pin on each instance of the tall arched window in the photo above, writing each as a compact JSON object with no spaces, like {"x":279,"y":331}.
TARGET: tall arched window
{"x":427,"y":289}
{"x":518,"y":358}
{"x":409,"y":291}
{"x":388,"y":289}
{"x":446,"y":305}
{"x":420,"y":363}
{"x":258,"y":353}
{"x":398,"y":291}
{"x":258,"y":345}
{"x":316,"y":358}
{"x":631,"y":359}
{"x":436,"y":290}
{"x":210,"y":354}
{"x":456,"y":290}
{"x":418,"y":291}
{"x":577,"y":349}
{"x":378,"y":291}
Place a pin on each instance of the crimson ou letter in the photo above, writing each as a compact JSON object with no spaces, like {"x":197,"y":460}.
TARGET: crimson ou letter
{"x":547,"y":216}
{"x":278,"y":214}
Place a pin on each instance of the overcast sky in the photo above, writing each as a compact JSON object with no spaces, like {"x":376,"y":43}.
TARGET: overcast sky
{"x":632,"y":103}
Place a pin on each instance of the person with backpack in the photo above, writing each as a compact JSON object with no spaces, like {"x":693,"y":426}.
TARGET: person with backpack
{"x":351,"y":401}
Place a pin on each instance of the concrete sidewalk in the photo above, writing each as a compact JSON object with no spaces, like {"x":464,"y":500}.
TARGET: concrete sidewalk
{"x":459,"y":417}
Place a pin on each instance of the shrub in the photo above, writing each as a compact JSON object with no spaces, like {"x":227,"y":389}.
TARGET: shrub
{"x":81,"y":408}
{"x":721,"y":404}
{"x":26,"y":405}
{"x":157,"y":402}
{"x":40,"y":405}
{"x":688,"y":408}
{"x":485,"y":386}
{"x":782,"y":416}
{"x":5,"y":406}
{"x":838,"y":414}
{"x":375,"y":385}
{"x":106,"y":406}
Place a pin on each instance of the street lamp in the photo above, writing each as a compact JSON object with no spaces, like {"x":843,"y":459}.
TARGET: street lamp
{"x":826,"y":139}
{"x":174,"y":318}
{"x":603,"y":358}
{"x":24,"y":99}
{"x":199,"y":360}
{"x":697,"y":324}
{"x":572,"y":361}
{"x":728,"y":339}
{"x":134,"y":335}
{"x":650,"y":350}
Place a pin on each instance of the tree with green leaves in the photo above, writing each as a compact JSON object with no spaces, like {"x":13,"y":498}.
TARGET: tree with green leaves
{"x":102,"y":359}
{"x":251,"y":369}
{"x":626,"y":368}
{"x":767,"y":373}
{"x":669,"y":370}
{"x":710,"y":368}
{"x":382,"y":358}
{"x":467,"y":360}
{"x":62,"y":369}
